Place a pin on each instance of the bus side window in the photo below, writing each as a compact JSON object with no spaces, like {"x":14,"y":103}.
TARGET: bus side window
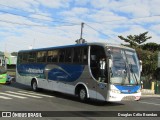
{"x":52,"y":56}
{"x":77,"y":55}
{"x":85,"y":55}
{"x":20,"y":58}
{"x":41,"y":56}
{"x":25,"y":57}
{"x":80,"y":55}
{"x":61,"y":55}
{"x":68,"y":55}
{"x":32,"y":57}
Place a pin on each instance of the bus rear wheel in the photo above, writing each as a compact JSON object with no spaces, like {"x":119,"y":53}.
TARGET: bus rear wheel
{"x":34,"y":86}
{"x":82,"y":94}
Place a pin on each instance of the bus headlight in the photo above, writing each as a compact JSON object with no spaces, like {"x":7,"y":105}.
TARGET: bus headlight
{"x":115,"y":91}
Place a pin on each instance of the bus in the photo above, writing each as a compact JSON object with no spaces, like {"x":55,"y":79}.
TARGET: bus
{"x":98,"y":71}
{"x":3,"y":71}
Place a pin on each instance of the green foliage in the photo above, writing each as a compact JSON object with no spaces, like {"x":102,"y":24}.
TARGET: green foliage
{"x":151,"y":46}
{"x":149,"y":61}
{"x":136,"y":40}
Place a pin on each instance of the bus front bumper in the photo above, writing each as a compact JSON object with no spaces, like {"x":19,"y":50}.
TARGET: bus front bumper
{"x":121,"y":96}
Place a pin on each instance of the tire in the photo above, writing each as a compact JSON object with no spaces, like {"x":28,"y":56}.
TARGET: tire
{"x":82,"y":94}
{"x":34,"y":86}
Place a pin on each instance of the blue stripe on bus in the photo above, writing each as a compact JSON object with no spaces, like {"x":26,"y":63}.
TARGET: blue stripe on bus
{"x":128,"y":89}
{"x":68,"y":73}
{"x":64,"y":72}
{"x":35,"y":70}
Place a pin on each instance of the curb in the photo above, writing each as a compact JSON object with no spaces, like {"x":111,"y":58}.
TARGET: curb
{"x":151,"y":96}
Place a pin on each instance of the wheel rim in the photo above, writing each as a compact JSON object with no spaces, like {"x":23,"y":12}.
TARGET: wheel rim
{"x":34,"y":85}
{"x":82,"y":94}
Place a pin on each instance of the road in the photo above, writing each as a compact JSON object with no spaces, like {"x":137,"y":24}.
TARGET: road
{"x":16,"y":97}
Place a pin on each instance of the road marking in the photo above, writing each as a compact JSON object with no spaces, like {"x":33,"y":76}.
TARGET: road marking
{"x":35,"y":94}
{"x":24,"y":94}
{"x":150,"y":103}
{"x":5,"y":97}
{"x":12,"y":95}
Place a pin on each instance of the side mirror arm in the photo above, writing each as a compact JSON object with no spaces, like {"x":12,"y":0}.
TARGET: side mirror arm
{"x":140,"y":63}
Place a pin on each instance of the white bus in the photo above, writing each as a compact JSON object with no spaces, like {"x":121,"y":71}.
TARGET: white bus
{"x":91,"y":70}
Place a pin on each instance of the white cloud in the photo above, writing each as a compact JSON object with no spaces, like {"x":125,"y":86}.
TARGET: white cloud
{"x":54,"y":3}
{"x":82,"y":2}
{"x":19,"y":4}
{"x":100,"y":3}
{"x":75,"y":12}
{"x":139,"y":11}
{"x":95,"y":13}
{"x":155,"y":29}
{"x":104,"y":15}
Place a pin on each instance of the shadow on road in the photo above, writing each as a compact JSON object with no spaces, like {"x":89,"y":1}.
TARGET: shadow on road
{"x":65,"y":96}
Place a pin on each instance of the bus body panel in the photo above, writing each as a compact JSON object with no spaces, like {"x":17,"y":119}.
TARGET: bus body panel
{"x":62,"y":79}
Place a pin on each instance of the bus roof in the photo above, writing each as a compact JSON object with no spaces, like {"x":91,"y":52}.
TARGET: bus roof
{"x":77,"y":45}
{"x":57,"y":47}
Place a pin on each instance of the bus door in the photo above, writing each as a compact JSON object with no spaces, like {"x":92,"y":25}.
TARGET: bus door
{"x":98,"y":67}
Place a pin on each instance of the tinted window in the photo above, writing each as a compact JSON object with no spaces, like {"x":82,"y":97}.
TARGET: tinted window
{"x":85,"y":55}
{"x":68,"y":55}
{"x":41,"y":56}
{"x":80,"y":55}
{"x":61,"y":55}
{"x":25,"y":57}
{"x":52,"y":56}
{"x":77,"y":55}
{"x":32,"y":57}
{"x":20,"y":58}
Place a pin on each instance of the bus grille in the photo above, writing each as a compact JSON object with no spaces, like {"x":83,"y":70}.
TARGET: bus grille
{"x":129,"y":98}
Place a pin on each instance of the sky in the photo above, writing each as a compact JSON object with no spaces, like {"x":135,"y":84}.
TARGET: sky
{"x":35,"y":24}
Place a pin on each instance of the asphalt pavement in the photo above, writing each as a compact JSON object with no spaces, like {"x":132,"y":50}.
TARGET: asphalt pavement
{"x":17,"y":97}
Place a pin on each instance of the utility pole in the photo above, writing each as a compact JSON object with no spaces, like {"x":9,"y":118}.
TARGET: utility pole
{"x":82,"y":25}
{"x":81,"y":40}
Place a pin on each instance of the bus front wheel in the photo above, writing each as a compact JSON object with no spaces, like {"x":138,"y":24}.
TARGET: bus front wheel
{"x":82,"y":94}
{"x":34,"y":86}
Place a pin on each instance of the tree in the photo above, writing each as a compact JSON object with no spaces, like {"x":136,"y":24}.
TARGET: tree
{"x":136,"y":40}
{"x":151,"y":46}
{"x":149,"y":61}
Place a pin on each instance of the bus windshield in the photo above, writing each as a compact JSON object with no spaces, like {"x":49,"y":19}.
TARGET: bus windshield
{"x":125,"y":69}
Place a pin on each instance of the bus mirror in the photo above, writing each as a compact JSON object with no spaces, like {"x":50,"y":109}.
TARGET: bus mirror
{"x":110,"y":63}
{"x":109,"y":53}
{"x":140,"y":64}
